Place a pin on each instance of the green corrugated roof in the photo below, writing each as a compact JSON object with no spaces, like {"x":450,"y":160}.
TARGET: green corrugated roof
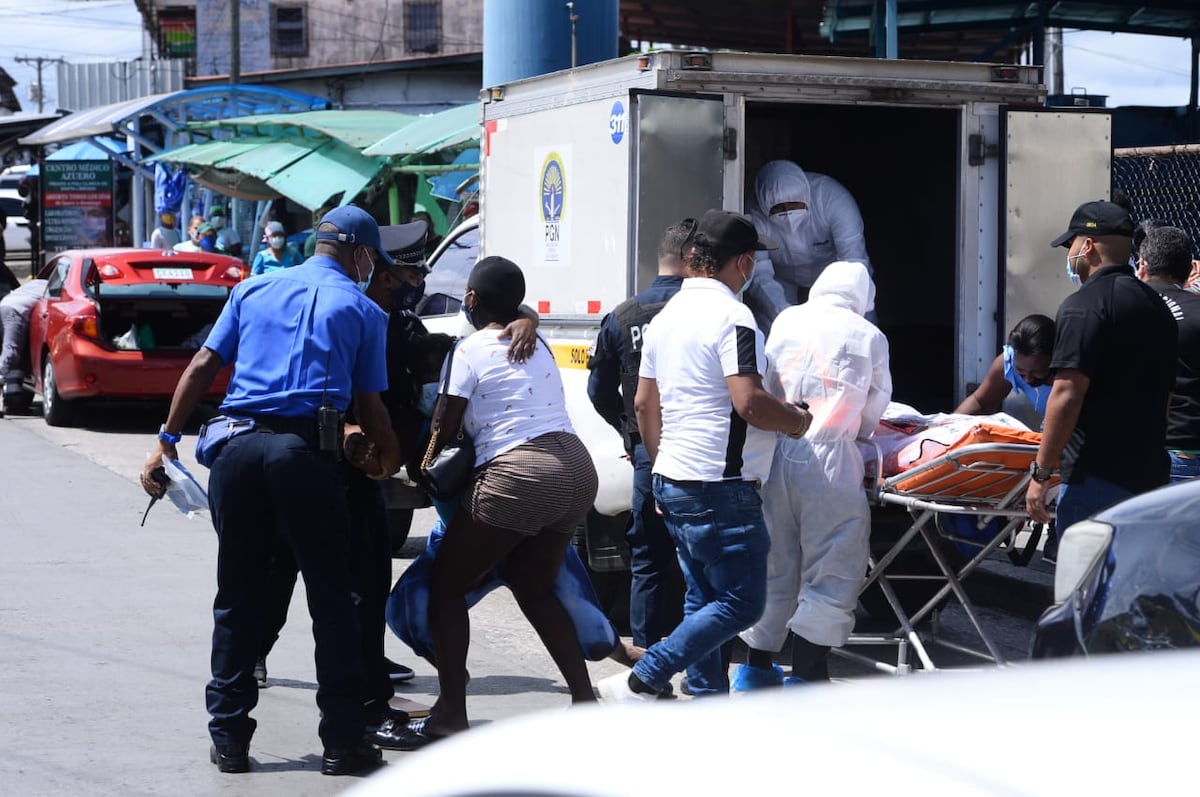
{"x":430,"y":133}
{"x":206,"y":152}
{"x":324,"y":172}
{"x":359,"y":129}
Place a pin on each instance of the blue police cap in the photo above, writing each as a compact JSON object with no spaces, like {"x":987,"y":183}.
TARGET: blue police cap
{"x":354,"y":226}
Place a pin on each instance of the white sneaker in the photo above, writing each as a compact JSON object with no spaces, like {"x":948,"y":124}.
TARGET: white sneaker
{"x":615,"y":689}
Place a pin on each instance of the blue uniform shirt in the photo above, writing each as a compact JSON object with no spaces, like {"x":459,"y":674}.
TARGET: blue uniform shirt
{"x":1036,"y":395}
{"x":297,"y":333}
{"x":604,"y":381}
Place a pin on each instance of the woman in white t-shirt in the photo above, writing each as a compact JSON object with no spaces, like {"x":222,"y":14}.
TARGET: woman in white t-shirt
{"x":534,"y":481}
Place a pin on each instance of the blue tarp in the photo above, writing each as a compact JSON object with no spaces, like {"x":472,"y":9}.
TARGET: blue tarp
{"x":97,"y":149}
{"x":443,"y":185}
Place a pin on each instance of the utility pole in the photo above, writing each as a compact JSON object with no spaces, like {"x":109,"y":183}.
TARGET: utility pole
{"x":40,"y":61}
{"x":235,"y":41}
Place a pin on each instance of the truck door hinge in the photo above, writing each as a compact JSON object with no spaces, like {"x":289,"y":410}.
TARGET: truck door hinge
{"x":729,"y":144}
{"x":979,"y":150}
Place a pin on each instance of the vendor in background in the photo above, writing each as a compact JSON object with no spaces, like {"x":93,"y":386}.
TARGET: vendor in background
{"x":228,"y":239}
{"x":278,"y":254}
{"x":165,"y":235}
{"x":1023,"y":365}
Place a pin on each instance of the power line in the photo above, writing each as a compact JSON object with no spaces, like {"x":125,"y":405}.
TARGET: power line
{"x":40,"y":61}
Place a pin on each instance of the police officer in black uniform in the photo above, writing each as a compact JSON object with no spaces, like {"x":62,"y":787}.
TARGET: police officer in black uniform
{"x":304,"y":342}
{"x":656,"y":596}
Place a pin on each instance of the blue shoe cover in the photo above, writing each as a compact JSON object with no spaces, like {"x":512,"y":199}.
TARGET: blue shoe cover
{"x":747,"y":678}
{"x":793,"y":680}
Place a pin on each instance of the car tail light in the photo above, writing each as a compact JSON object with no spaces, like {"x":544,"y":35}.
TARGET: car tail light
{"x":1080,"y":550}
{"x":109,"y":271}
{"x":235,"y":273}
{"x":87,"y":326}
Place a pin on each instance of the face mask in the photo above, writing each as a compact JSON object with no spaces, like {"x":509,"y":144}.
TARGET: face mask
{"x":427,"y":398}
{"x":217,"y":222}
{"x":791,"y":220}
{"x":277,"y":241}
{"x":467,"y":312}
{"x":1071,"y":275}
{"x":362,"y":284}
{"x":208,"y":243}
{"x":748,"y":280}
{"x":405,"y":297}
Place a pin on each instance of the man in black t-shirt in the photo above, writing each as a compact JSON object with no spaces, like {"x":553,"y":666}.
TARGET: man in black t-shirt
{"x":1164,"y":263}
{"x":1114,"y":362}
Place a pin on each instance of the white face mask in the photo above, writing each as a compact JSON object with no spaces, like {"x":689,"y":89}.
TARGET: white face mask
{"x":791,"y":220}
{"x":277,"y":241}
{"x":428,"y":398}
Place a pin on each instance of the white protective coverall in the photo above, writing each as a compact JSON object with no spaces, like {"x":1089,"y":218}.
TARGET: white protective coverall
{"x":831,"y":228}
{"x":823,"y":352}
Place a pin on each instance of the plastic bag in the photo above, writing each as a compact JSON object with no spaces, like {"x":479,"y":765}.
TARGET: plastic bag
{"x":184,"y":491}
{"x":127,"y":341}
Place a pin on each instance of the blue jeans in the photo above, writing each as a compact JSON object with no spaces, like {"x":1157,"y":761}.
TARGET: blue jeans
{"x":656,"y":590}
{"x":1080,"y":500}
{"x":1183,"y":468}
{"x":722,"y":543}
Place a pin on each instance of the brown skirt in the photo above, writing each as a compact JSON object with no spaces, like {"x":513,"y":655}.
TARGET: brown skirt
{"x":546,"y":484}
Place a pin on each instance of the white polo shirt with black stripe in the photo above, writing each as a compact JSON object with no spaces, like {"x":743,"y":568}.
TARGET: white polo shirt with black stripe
{"x":701,"y":336}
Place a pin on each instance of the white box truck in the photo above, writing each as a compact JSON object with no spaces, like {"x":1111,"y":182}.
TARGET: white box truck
{"x":961,"y":175}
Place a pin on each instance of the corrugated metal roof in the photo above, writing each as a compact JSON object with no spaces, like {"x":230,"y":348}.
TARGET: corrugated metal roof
{"x":431,"y":133}
{"x":359,"y":129}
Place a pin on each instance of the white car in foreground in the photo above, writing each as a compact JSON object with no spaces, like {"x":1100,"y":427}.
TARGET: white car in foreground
{"x":1117,"y":725}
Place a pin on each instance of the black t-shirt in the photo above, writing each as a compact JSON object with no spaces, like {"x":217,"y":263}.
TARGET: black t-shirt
{"x":1183,"y":420}
{"x":1118,"y":331}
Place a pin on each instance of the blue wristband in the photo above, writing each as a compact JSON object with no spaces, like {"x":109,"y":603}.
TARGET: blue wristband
{"x":166,"y":437}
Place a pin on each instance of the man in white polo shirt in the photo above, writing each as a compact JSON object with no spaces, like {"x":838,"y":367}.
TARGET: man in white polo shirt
{"x":709,"y":427}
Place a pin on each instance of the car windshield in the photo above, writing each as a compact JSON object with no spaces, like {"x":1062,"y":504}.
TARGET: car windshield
{"x":446,"y":284}
{"x":12,"y":206}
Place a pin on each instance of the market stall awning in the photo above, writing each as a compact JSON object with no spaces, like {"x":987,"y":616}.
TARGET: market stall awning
{"x":359,"y":129}
{"x":431,"y":133}
{"x":307,"y":171}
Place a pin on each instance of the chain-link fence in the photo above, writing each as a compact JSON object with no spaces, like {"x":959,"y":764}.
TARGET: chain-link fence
{"x":1163,"y":183}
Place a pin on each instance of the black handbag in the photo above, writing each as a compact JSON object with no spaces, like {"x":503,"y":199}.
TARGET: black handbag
{"x":445,"y":471}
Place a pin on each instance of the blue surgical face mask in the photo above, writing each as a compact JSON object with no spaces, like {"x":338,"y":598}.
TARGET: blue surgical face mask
{"x":467,"y":313}
{"x":363,"y":284}
{"x":405,"y":296}
{"x":208,"y":243}
{"x":427,"y":398}
{"x":749,"y":280}
{"x":1071,"y":275}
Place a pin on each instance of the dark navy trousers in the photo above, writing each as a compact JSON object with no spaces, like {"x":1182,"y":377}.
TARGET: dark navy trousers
{"x":262,"y":484}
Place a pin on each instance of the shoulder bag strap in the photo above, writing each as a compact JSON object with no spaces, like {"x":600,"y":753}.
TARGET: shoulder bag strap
{"x":435,"y":424}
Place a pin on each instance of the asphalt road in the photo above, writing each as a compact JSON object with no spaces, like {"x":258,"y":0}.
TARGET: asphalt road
{"x":105,"y":629}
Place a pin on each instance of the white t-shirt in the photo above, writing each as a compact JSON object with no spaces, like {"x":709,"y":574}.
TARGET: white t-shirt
{"x":507,"y":403}
{"x":701,"y":336}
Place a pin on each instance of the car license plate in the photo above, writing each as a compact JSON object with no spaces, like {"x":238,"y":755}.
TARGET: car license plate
{"x":172,"y":273}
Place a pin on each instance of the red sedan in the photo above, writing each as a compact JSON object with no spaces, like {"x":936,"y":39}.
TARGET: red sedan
{"x":123,"y":323}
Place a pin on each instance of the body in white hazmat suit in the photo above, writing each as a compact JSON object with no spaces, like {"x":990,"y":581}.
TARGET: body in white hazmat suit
{"x":826,"y":353}
{"x":814,"y":219}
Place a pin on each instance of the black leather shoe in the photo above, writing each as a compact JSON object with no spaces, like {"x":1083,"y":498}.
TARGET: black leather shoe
{"x":358,"y":760}
{"x":231,"y":758}
{"x":379,"y":712}
{"x":396,"y":736}
{"x":398,"y":672}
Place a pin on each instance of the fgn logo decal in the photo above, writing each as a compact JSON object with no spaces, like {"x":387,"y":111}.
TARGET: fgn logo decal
{"x":616,"y":122}
{"x":554,"y":191}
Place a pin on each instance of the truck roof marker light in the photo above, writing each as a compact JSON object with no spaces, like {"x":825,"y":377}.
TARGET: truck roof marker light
{"x":496,"y":93}
{"x":1006,"y":74}
{"x":543,"y":307}
{"x":697,"y":61}
{"x":643,"y":62}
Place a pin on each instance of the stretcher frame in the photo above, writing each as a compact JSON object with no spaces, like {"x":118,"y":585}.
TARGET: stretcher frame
{"x":984,"y":481}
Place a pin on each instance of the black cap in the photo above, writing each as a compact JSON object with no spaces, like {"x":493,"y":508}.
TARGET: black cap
{"x":406,"y":243}
{"x":1096,"y":219}
{"x":498,"y":284}
{"x":731,"y":234}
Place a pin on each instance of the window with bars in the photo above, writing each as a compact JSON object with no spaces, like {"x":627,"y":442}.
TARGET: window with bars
{"x":289,"y":31}
{"x":422,"y":26}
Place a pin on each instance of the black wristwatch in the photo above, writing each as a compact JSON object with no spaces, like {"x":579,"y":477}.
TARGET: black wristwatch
{"x":1039,"y":474}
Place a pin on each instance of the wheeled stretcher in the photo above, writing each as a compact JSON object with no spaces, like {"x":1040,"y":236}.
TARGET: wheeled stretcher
{"x":979,"y":481}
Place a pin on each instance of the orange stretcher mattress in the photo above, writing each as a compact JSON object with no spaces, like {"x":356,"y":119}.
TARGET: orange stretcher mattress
{"x":970,"y":468}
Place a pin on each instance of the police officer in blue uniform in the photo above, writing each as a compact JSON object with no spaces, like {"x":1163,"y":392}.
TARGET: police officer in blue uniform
{"x":301,"y":340}
{"x":656,"y":593}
